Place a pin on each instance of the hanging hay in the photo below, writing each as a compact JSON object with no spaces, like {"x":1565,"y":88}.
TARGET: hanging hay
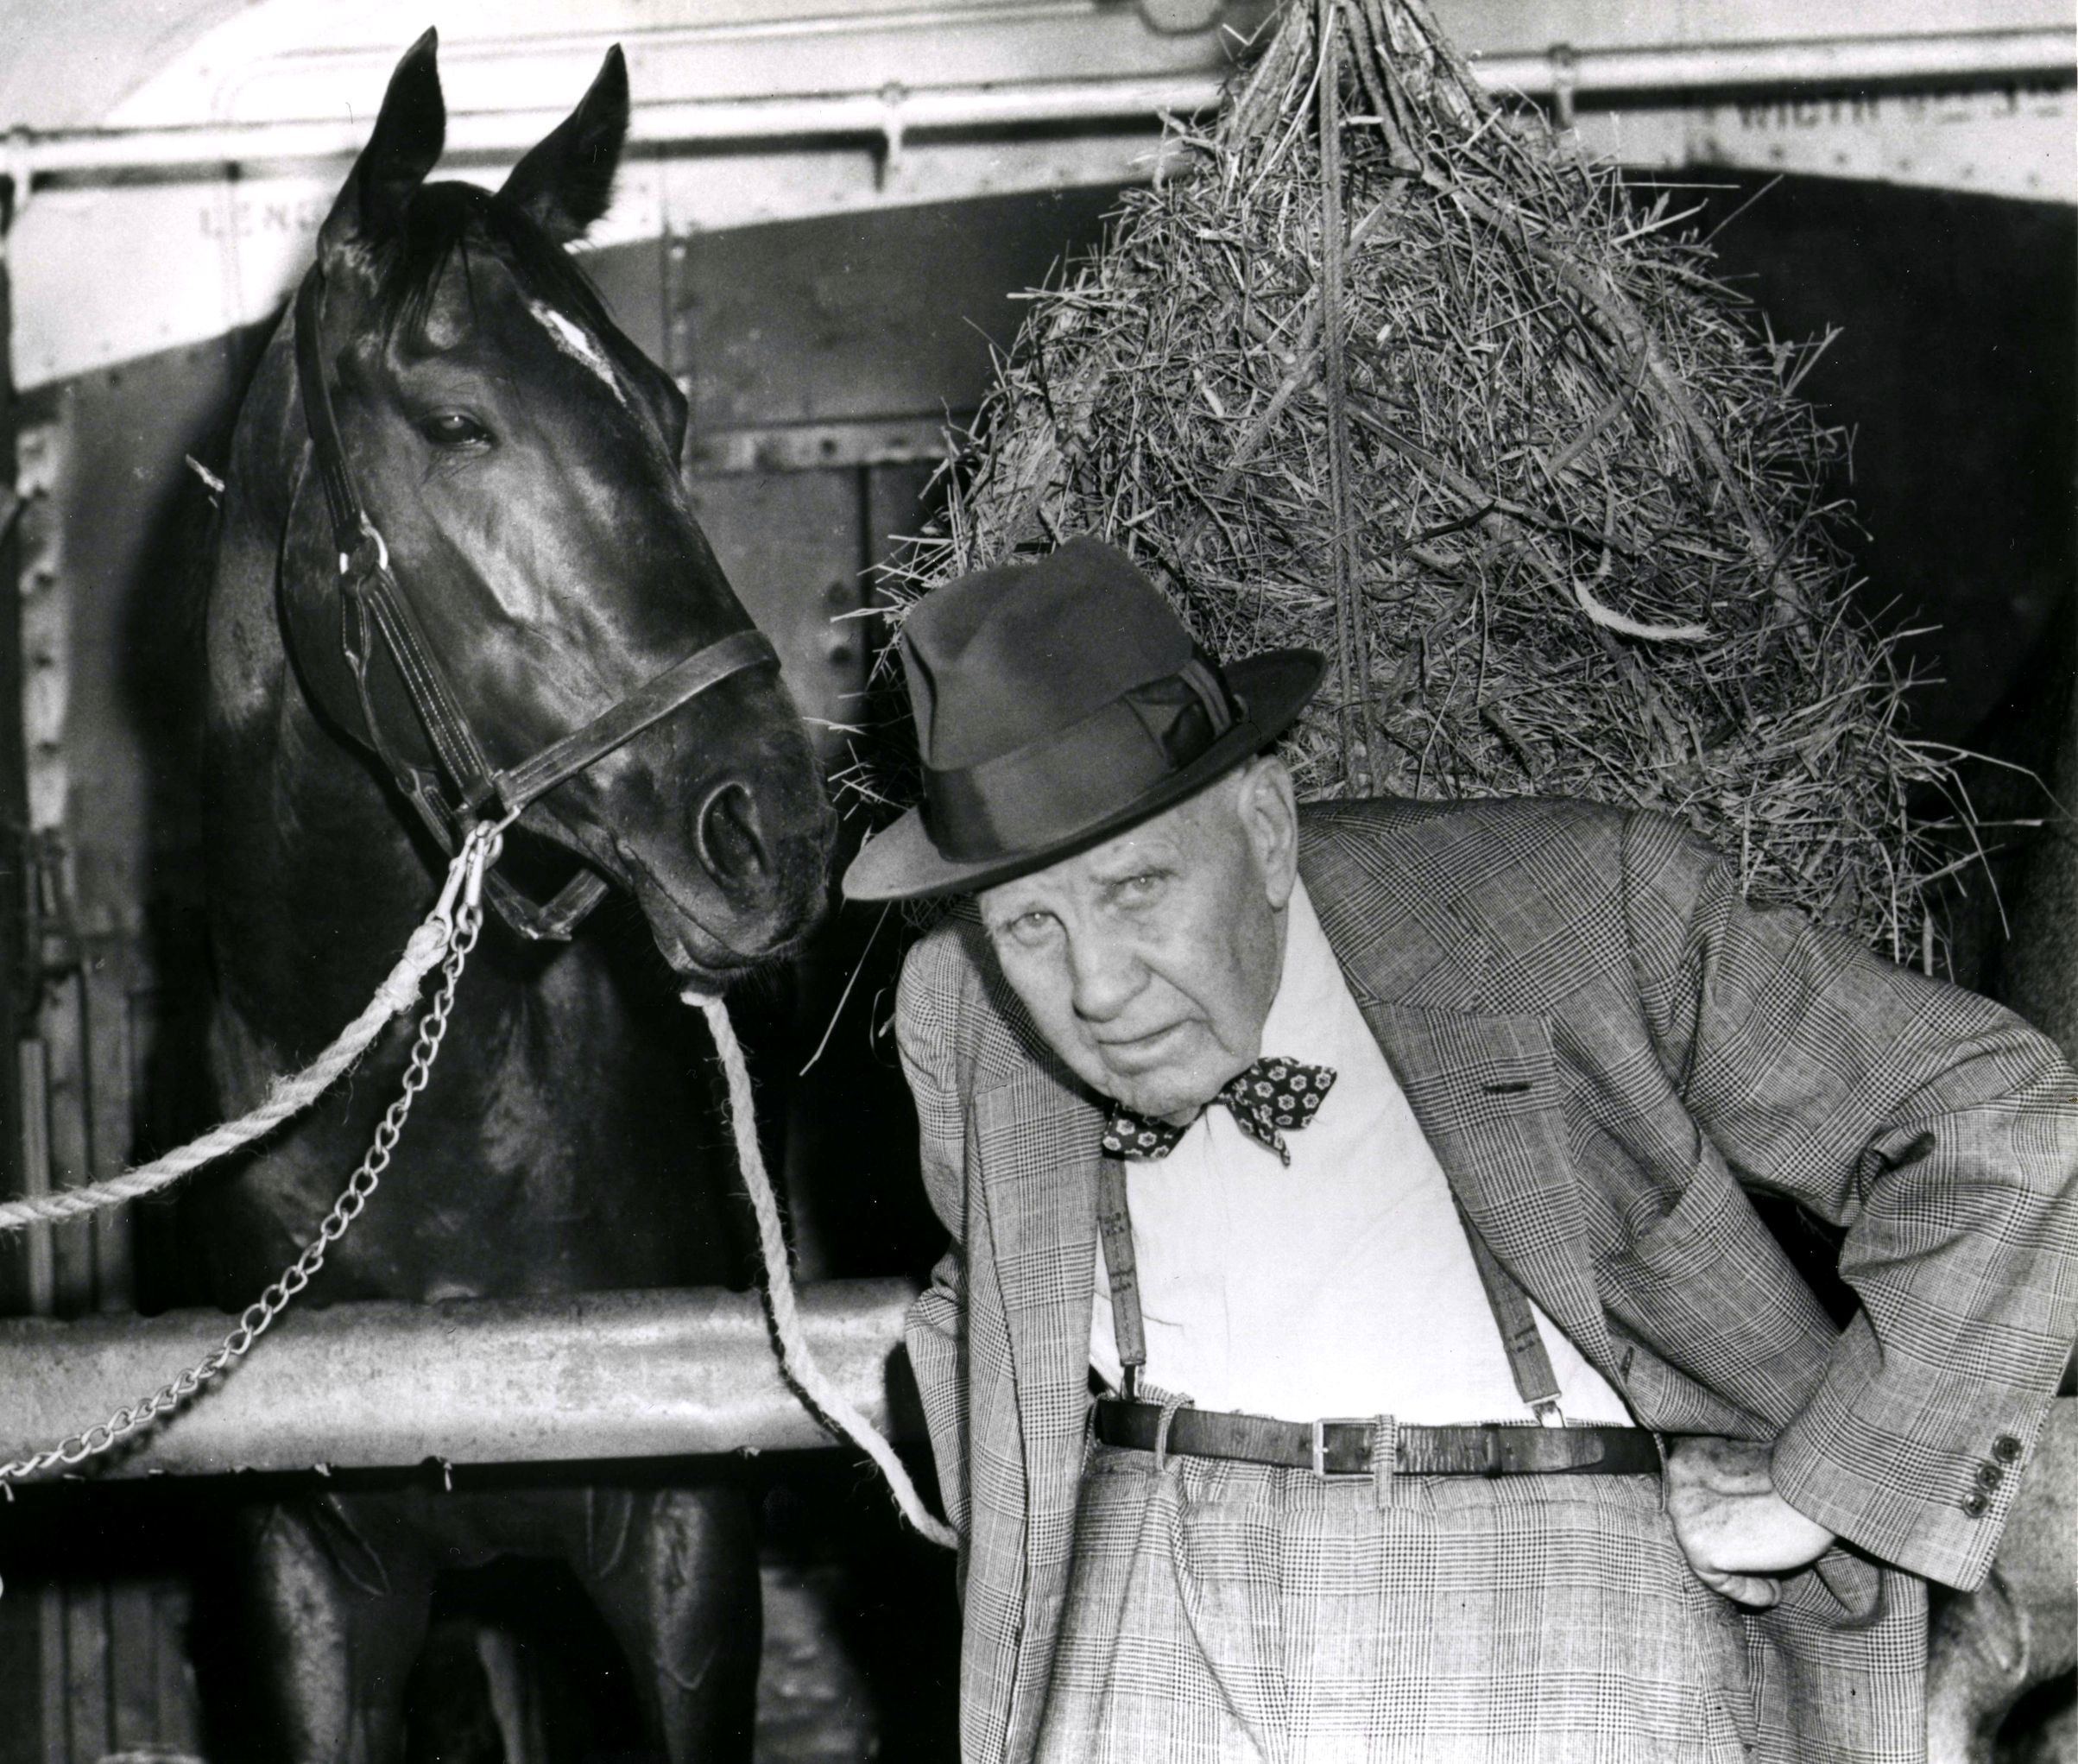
{"x":1385,"y":371}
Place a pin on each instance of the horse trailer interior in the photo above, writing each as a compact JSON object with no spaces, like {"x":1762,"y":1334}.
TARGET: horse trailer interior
{"x":827,"y":215}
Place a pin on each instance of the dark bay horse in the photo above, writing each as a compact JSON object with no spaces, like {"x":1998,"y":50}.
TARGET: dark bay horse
{"x":518,"y":458}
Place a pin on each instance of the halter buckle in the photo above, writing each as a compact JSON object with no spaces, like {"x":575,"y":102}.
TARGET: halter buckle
{"x":356,"y":562}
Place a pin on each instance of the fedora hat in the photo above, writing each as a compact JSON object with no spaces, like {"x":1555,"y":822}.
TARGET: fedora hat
{"x":1057,"y":703}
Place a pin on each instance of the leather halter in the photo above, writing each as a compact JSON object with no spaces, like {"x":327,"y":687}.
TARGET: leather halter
{"x":373,"y":607}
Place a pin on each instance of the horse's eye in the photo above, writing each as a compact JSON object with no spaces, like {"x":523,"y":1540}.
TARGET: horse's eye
{"x":449,"y":428}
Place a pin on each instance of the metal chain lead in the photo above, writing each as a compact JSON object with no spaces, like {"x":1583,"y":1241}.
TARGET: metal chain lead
{"x":254,"y":1320}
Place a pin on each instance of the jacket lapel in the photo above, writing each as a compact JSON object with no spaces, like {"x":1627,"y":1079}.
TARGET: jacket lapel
{"x":1039,"y":1142}
{"x":1038,"y":1147}
{"x":1485,"y":1090}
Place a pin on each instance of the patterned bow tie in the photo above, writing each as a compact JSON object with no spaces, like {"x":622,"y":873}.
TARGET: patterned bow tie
{"x":1272,"y":1095}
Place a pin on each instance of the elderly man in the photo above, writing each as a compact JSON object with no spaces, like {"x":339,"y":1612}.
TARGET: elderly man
{"x":1246,"y":1118}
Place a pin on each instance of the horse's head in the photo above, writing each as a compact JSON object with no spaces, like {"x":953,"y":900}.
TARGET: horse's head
{"x":519,"y":457}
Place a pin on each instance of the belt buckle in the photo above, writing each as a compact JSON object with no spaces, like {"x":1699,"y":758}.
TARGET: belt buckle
{"x":1320,"y":1448}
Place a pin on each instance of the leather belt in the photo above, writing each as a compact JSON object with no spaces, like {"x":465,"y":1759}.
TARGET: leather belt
{"x":1341,"y":1448}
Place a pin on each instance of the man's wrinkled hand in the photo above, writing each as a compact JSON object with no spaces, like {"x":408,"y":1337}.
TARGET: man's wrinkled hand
{"x":1737,"y":1531}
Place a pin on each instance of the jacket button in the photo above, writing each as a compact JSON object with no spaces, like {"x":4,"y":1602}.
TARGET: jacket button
{"x":1975,"y":1503}
{"x":1989,"y":1475}
{"x":2006,"y":1448}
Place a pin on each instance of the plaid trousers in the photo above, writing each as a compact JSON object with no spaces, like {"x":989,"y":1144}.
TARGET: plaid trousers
{"x":1227,"y":1611}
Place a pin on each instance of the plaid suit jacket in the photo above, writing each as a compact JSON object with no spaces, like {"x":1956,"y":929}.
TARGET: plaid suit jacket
{"x":1606,"y":1047}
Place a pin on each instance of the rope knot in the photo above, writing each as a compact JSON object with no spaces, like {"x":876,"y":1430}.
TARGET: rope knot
{"x":400,"y":989}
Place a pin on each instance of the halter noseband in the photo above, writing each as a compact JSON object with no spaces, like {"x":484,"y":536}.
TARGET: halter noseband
{"x":371,"y":606}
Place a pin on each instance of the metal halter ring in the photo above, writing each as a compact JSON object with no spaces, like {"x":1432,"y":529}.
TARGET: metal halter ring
{"x":369,"y":530}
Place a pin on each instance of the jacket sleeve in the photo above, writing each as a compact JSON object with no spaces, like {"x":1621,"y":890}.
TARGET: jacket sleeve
{"x":1934,"y":1126}
{"x":924,"y":1019}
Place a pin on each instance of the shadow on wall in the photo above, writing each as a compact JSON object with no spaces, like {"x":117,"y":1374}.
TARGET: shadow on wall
{"x":1956,"y":369}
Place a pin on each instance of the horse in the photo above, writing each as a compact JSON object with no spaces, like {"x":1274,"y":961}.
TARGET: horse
{"x":457,"y":581}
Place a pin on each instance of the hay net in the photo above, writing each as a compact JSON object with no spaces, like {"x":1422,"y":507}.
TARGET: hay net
{"x":1381,"y":368}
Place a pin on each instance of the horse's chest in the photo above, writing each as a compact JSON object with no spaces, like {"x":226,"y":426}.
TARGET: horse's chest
{"x":561,"y":1145}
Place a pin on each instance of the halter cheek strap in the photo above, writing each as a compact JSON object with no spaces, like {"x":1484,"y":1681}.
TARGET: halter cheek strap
{"x":462,"y":786}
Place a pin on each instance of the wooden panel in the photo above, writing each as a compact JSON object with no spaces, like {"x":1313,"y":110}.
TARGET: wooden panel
{"x":1954,"y":369}
{"x":61,"y":1027}
{"x":792,"y":544}
{"x":630,"y":277}
{"x":180,"y":1707}
{"x":14,"y":786}
{"x":864,"y":315}
{"x":852,"y":1131}
{"x":55,"y":1724}
{"x":22,"y":1740}
{"x":135,"y":1642}
{"x":899,"y":500}
{"x":86,"y":1671}
{"x":135,"y":525}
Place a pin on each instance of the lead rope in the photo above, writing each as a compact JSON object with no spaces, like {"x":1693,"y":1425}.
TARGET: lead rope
{"x":453,"y":926}
{"x":429,"y":945}
{"x":794,"y":1352}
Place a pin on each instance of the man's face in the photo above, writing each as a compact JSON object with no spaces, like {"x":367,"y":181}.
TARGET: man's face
{"x":1149,"y":962}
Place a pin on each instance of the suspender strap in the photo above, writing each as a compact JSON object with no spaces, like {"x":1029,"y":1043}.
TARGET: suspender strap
{"x":1527,"y":1359}
{"x":1115,"y":1230}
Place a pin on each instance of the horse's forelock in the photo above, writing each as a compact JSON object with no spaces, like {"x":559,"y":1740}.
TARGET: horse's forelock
{"x":449,"y":217}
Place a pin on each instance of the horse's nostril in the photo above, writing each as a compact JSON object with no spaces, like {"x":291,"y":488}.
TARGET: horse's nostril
{"x":728,"y":837}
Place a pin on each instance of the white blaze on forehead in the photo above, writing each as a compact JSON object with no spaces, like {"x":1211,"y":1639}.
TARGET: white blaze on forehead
{"x":572,"y":339}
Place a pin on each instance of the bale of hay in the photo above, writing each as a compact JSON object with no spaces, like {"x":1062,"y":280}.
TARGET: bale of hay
{"x":1382,"y":367}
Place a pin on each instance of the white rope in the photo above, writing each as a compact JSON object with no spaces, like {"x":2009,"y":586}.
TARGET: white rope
{"x":814,"y":1383}
{"x":286,"y":1097}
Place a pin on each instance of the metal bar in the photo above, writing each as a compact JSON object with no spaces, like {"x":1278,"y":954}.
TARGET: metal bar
{"x":1941,"y":58}
{"x":489,"y":1380}
{"x":885,"y":115}
{"x":1946,"y":58}
{"x":809,"y":447}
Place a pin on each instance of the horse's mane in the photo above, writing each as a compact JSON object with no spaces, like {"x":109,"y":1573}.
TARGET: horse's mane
{"x":447,"y":218}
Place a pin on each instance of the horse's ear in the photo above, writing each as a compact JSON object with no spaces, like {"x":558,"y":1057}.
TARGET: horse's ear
{"x":405,"y":146}
{"x":567,"y":181}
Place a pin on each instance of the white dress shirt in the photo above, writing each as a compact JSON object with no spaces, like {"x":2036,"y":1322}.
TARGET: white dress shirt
{"x":1342,"y":1285}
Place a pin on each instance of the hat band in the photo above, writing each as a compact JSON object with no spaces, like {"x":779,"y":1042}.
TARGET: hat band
{"x":1050,"y":789}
